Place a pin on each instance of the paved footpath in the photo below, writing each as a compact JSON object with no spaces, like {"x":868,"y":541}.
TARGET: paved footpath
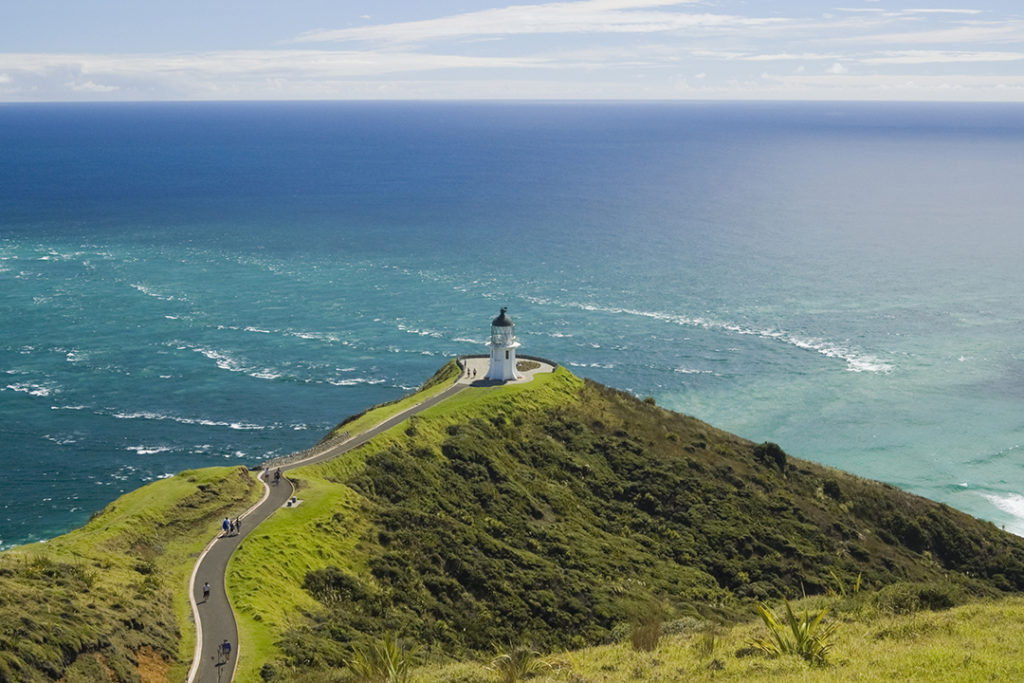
{"x":215,"y":622}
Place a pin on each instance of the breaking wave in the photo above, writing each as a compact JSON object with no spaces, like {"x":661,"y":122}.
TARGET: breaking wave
{"x":146,"y":415}
{"x":855,"y":360}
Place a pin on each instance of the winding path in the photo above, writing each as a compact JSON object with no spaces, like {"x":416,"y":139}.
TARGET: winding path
{"x":214,"y":619}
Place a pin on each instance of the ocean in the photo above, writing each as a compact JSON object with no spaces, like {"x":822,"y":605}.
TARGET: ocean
{"x":193,"y":284}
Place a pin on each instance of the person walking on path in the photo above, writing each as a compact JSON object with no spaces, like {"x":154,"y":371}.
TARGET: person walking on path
{"x":238,"y":525}
{"x":226,"y":524}
{"x":206,"y":591}
{"x":224,"y":653}
{"x":277,"y":475}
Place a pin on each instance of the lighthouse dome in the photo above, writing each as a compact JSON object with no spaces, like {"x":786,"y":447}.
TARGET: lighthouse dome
{"x":502,"y":320}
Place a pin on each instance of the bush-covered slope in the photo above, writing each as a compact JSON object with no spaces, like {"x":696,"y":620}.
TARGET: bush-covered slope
{"x":556,"y":512}
{"x":109,"y":601}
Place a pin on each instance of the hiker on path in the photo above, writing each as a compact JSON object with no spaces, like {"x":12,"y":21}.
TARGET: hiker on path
{"x":277,"y":475}
{"x":238,"y":525}
{"x":231,"y":527}
{"x":226,"y":524}
{"x":224,"y":652}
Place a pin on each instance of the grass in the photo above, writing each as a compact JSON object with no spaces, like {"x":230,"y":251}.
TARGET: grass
{"x":120,"y":581}
{"x":547,"y":512}
{"x":266,"y":573}
{"x":551,"y":511}
{"x":265,"y":576}
{"x":961,"y":645}
{"x":357,"y":424}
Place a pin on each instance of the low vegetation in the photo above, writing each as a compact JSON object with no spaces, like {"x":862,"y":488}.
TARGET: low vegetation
{"x":557,"y":528}
{"x":962,"y":644}
{"x":805,"y":636}
{"x":553,"y":513}
{"x":109,"y":601}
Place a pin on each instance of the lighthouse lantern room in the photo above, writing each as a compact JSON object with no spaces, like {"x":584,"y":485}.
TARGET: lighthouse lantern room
{"x":503,"y":349}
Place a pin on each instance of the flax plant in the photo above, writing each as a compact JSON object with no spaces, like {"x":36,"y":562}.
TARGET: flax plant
{"x":805,"y":636}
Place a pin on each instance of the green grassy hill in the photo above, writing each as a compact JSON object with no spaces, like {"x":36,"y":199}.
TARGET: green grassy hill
{"x":560,"y":519}
{"x":559,"y":512}
{"x":109,"y":602}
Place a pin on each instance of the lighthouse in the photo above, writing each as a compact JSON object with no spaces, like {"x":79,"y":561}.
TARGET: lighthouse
{"x":503,"y":349}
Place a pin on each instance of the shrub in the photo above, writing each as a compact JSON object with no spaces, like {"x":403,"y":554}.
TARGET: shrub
{"x":907,"y":598}
{"x":646,"y":632}
{"x":771,"y":454}
{"x":517,"y":663}
{"x":705,"y":645}
{"x":831,"y":489}
{"x":804,"y":636}
{"x":382,"y":661}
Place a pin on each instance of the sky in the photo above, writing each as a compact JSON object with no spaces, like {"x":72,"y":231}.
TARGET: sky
{"x":141,"y":50}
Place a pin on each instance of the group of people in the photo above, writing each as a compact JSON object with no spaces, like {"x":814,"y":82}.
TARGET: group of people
{"x":224,"y":649}
{"x":231,"y":527}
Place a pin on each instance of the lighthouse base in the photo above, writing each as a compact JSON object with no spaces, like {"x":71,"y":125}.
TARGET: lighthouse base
{"x":503,"y":365}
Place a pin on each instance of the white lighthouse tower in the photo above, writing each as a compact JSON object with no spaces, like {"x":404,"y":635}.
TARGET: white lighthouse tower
{"x":503,"y":349}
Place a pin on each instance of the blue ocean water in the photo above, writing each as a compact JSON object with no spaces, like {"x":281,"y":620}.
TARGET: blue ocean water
{"x":184,"y":285}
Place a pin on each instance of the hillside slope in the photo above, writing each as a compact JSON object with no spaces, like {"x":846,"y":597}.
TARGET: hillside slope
{"x":555,"y":512}
{"x":109,"y":601}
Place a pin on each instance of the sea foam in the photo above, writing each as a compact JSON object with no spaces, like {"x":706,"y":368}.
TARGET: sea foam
{"x":1012,"y":504}
{"x":855,"y":361}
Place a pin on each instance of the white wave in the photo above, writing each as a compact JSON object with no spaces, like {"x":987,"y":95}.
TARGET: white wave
{"x":75,"y":356}
{"x":300,"y":334}
{"x":693,"y":371}
{"x":466,"y":340}
{"x":148,"y":450}
{"x":31,"y":389}
{"x":231,"y":364}
{"x":60,"y":440}
{"x":855,"y":360}
{"x":1012,"y":504}
{"x":419,"y":332}
{"x":265,"y":374}
{"x":156,"y":295}
{"x":318,"y":336}
{"x":145,"y":415}
{"x":68,"y":407}
{"x":605,"y":366}
{"x":350,"y":382}
{"x":223,"y":360}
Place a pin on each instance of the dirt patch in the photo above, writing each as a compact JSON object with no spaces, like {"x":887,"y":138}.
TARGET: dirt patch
{"x":152,"y":667}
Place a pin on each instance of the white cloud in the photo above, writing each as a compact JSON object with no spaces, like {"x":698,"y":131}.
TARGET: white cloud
{"x":90,"y":86}
{"x":942,"y":11}
{"x":589,"y":16}
{"x":942,"y":57}
{"x":836,"y":68}
{"x":972,"y":32}
{"x":786,"y":56}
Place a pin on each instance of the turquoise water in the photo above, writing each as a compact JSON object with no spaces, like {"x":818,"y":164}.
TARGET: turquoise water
{"x":184,"y":285}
